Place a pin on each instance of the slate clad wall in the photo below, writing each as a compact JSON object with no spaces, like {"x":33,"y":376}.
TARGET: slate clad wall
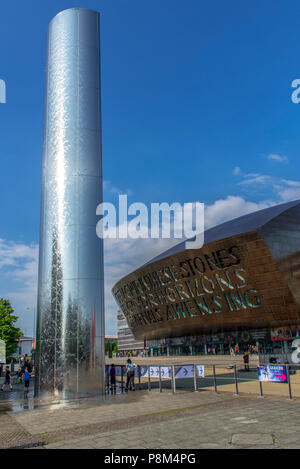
{"x":232,"y":283}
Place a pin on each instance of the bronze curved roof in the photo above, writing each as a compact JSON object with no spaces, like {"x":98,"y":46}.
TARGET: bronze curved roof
{"x":250,"y":222}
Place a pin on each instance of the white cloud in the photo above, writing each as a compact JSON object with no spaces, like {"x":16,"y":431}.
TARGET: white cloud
{"x":275,"y":157}
{"x":255,"y":178}
{"x":288,"y":190}
{"x":232,"y":207}
{"x":109,"y":187}
{"x":290,"y":182}
{"x":237,"y":171}
{"x":282,"y":190}
{"x":18,"y":274}
{"x":251,"y":178}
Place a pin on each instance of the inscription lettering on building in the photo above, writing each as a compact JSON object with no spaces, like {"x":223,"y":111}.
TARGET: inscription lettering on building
{"x":199,"y":286}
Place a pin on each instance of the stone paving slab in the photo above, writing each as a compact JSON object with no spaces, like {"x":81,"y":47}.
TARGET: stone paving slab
{"x":154,"y":420}
{"x":225,"y":428}
{"x":122,"y":406}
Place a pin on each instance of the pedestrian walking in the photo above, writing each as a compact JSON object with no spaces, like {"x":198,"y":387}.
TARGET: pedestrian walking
{"x":7,"y":379}
{"x":107,"y":379}
{"x":130,"y":368}
{"x":246,"y":361}
{"x":23,"y":364}
{"x":19,"y":375}
{"x":112,"y":374}
{"x":26,"y":378}
{"x":29,"y":365}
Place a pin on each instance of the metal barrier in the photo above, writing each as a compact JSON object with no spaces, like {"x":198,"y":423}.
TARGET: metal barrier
{"x":219,"y":378}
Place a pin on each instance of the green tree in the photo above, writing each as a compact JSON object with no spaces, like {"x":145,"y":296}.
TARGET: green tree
{"x":115,"y":347}
{"x":111,"y":346}
{"x":8,"y":332}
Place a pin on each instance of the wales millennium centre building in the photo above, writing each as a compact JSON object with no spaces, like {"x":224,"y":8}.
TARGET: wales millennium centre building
{"x":241,"y":288}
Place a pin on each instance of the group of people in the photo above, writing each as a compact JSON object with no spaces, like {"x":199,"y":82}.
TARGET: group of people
{"x":130,"y":370}
{"x":235,"y":350}
{"x":252,"y":349}
{"x":23,"y":374}
{"x":23,"y":364}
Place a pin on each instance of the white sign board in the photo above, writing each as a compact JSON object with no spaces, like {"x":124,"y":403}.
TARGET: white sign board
{"x":185,"y":371}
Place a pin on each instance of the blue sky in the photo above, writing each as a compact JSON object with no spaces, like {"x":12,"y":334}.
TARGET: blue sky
{"x":196,"y":106}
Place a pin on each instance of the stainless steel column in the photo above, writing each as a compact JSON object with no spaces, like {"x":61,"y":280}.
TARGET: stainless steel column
{"x":70,"y":326}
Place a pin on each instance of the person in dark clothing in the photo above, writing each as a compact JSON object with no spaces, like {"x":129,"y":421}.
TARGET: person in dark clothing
{"x":246,"y":361}
{"x":23,"y":365}
{"x":7,"y":379}
{"x":130,"y":368}
{"x":29,"y":366}
{"x":112,"y":375}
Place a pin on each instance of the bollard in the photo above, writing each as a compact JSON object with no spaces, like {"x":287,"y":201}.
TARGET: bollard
{"x":122,"y":378}
{"x":236,"y":382}
{"x":215,"y":378}
{"x":139,"y":376}
{"x":195,"y":378}
{"x":173,"y":380}
{"x":106,"y":379}
{"x":149,"y":379}
{"x":289,"y":381}
{"x":260,"y":389}
{"x":160,"y":386}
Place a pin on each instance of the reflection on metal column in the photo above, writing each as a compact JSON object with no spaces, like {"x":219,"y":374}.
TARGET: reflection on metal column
{"x":70,"y":326}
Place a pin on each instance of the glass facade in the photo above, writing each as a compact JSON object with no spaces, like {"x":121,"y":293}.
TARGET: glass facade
{"x":263,"y":341}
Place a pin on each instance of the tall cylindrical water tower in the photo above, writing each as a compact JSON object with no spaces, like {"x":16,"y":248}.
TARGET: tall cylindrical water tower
{"x":70,"y":325}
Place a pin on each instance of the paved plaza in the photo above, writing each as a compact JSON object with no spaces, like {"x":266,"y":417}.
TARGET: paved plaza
{"x":150,"y":419}
{"x":153,"y":420}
